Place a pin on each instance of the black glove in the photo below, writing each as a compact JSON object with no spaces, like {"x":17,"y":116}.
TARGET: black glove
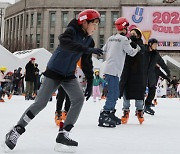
{"x":88,"y":90}
{"x":133,"y":45}
{"x":96,"y":51}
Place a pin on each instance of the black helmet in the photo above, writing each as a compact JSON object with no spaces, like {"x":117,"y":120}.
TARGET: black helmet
{"x":152,"y":40}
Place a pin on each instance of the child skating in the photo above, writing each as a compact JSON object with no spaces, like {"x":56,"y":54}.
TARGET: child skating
{"x":115,"y":50}
{"x":75,"y":43}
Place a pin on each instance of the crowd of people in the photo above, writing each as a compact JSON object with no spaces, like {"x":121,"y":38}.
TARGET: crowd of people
{"x":20,"y":83}
{"x":130,"y":68}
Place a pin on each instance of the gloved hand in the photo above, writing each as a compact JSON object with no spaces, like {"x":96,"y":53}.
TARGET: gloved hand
{"x":88,"y":90}
{"x":96,"y":51}
{"x":133,"y":45}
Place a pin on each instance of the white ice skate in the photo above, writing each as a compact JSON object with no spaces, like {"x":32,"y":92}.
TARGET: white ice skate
{"x":64,"y":148}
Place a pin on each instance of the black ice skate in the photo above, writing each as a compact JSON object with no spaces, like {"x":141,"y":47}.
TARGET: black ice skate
{"x":148,"y":110}
{"x":12,"y":137}
{"x":64,"y":143}
{"x":105,"y":120}
{"x":113,"y":117}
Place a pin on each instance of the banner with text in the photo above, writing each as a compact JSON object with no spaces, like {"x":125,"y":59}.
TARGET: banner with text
{"x":162,"y":23}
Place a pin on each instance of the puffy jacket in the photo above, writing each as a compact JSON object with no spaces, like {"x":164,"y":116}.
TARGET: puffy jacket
{"x":73,"y":44}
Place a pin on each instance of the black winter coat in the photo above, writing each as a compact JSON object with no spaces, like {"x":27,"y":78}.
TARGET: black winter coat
{"x":73,"y":45}
{"x":159,"y":73}
{"x":151,"y":59}
{"x":30,"y":72}
{"x":132,"y":83}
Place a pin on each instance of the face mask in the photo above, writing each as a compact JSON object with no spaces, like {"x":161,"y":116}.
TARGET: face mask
{"x":133,"y":38}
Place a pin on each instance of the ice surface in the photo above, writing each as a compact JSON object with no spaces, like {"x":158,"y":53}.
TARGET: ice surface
{"x":159,"y":134}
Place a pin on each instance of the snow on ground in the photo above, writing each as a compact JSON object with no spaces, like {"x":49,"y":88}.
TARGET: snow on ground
{"x":159,"y":134}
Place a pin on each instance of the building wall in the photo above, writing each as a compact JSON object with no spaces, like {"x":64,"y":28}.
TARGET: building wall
{"x":16,"y":19}
{"x":20,"y":34}
{"x":3,"y":7}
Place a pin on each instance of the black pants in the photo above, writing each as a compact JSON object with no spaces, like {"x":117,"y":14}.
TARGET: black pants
{"x":61,"y":96}
{"x":151,"y":95}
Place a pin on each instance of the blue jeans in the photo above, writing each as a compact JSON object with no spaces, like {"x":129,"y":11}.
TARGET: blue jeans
{"x":113,"y":92}
{"x":138,"y":104}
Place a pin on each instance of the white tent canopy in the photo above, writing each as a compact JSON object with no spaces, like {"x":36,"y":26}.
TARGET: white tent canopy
{"x":42,"y":57}
{"x":8,"y":60}
{"x":171,"y":60}
{"x":21,"y":58}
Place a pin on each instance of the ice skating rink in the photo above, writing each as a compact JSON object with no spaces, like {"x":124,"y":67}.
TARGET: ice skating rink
{"x":159,"y":134}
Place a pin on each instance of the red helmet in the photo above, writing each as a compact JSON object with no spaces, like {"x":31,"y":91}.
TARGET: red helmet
{"x":88,"y":14}
{"x":121,"y":23}
{"x":32,"y":58}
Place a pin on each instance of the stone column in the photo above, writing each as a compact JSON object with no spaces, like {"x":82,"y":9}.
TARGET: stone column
{"x":58,"y":27}
{"x":45,"y":29}
{"x":34,"y":30}
{"x":71,"y":15}
{"x":108,"y":31}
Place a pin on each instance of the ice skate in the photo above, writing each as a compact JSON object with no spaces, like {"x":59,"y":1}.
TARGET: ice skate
{"x":115,"y":118}
{"x":60,"y":117}
{"x":31,"y":98}
{"x":63,"y":115}
{"x":125,"y":117}
{"x":152,"y":105}
{"x":155,"y":102}
{"x":103,"y":97}
{"x":12,"y":137}
{"x":57,"y":118}
{"x":64,"y":143}
{"x":2,"y":100}
{"x":140,"y":117}
{"x":9,"y":96}
{"x":26,"y":97}
{"x":148,"y":110}
{"x":105,"y":120}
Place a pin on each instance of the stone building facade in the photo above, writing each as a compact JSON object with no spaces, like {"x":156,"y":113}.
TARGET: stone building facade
{"x":3,"y":6}
{"x":38,"y":23}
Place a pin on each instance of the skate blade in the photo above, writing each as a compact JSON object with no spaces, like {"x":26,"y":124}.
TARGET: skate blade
{"x":5,"y":148}
{"x":64,"y":148}
{"x":149,"y":113}
{"x":106,"y":125}
{"x":123,"y":122}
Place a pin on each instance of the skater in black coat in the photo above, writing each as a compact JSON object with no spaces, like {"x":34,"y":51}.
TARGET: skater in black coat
{"x":152,"y":58}
{"x":132,"y":83}
{"x":30,"y":78}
